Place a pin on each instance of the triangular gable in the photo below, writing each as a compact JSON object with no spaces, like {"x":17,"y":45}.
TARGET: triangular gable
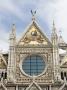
{"x":3,"y":63}
{"x":34,"y":35}
{"x":34,"y":86}
{"x":64,"y":62}
{"x":64,"y":65}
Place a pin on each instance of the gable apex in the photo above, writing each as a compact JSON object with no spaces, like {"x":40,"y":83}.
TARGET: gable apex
{"x":34,"y":35}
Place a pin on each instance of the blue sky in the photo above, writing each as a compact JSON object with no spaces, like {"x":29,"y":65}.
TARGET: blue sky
{"x":18,"y":12}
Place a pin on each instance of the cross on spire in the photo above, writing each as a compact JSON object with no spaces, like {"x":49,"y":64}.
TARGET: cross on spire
{"x":33,"y":14}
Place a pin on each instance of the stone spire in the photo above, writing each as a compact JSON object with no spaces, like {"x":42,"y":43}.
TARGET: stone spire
{"x":54,"y":28}
{"x":54,"y":38}
{"x":13,"y":31}
{"x":61,"y":41}
{"x":12,"y":36}
{"x":11,"y":58}
{"x":54,"y":35}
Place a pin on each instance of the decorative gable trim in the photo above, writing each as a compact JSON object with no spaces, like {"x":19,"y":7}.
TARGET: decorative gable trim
{"x":64,"y":61}
{"x":39,"y":29}
{"x":35,"y":84}
{"x":3,"y":59}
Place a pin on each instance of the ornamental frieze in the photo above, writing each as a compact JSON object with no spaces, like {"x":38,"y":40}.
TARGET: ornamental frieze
{"x":33,"y":50}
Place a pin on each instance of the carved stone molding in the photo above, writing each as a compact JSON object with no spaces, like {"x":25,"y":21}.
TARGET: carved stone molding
{"x":22,"y":53}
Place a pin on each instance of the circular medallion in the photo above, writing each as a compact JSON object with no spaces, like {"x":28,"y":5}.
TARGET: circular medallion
{"x":34,"y":33}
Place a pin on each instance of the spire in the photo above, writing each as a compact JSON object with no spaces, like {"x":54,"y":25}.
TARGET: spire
{"x":13,"y":32}
{"x":33,"y":14}
{"x":54,"y":39}
{"x":54,"y":32}
{"x":54,"y":28}
{"x":61,"y":38}
{"x":12,"y":59}
{"x":13,"y":29}
{"x":12,"y":36}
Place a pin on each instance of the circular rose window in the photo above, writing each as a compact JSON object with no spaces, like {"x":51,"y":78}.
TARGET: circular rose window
{"x":33,"y":65}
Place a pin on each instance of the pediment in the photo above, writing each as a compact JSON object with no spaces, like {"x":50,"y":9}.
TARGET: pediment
{"x":3,"y":63}
{"x":34,"y":86}
{"x":64,"y":62}
{"x":64,"y":65}
{"x":34,"y":36}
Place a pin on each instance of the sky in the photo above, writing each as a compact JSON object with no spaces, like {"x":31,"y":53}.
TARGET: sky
{"x":18,"y":12}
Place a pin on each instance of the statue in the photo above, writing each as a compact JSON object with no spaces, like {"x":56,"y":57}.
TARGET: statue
{"x":33,"y":14}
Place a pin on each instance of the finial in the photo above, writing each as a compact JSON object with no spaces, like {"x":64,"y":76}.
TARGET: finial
{"x":53,"y":23}
{"x":13,"y":31}
{"x":13,"y":28}
{"x":54,"y":28}
{"x":33,"y":14}
{"x":60,"y":32}
{"x":60,"y":37}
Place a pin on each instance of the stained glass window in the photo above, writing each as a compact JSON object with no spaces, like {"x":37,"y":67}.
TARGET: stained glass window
{"x":33,"y":65}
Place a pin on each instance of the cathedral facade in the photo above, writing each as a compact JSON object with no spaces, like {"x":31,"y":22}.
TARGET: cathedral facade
{"x":34,"y":62}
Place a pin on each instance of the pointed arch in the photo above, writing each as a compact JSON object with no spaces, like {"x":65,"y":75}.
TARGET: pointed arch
{"x":34,"y":86}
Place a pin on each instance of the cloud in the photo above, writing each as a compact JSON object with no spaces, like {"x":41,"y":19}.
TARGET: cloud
{"x":18,"y":11}
{"x":8,"y":7}
{"x":3,"y":39}
{"x":56,"y":10}
{"x":4,"y":46}
{"x":61,"y":17}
